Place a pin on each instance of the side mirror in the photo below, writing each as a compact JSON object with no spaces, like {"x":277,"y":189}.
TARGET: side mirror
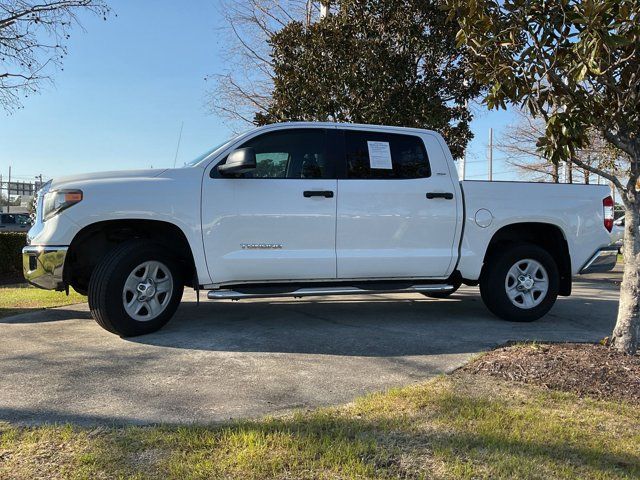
{"x":239,"y":161}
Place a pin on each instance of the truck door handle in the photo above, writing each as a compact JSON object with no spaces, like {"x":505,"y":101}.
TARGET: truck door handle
{"x":318,"y":193}
{"x":445,"y":195}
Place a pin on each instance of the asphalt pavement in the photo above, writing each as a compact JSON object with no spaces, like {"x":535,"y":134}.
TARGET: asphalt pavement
{"x":225,"y":360}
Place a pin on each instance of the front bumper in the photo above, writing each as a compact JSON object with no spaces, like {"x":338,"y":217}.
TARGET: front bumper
{"x":43,"y":266}
{"x":603,"y":260}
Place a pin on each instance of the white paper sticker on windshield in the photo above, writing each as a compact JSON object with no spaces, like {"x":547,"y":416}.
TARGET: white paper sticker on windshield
{"x":380,"y":155}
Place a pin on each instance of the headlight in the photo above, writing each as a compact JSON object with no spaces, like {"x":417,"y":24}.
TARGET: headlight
{"x":58,"y":200}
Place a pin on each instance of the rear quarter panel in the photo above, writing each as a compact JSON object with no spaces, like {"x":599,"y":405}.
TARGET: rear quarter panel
{"x":575,"y":209}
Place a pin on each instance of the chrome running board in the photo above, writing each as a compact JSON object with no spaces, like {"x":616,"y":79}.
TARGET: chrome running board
{"x":320,"y":291}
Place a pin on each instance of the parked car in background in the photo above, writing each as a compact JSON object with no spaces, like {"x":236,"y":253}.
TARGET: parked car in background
{"x":617,"y":234}
{"x":309,"y":209}
{"x":15,"y":222}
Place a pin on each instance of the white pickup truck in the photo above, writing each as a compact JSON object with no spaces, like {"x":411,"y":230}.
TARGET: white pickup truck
{"x":307,"y":209}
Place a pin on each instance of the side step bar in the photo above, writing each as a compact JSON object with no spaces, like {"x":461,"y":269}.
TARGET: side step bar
{"x":322,"y":291}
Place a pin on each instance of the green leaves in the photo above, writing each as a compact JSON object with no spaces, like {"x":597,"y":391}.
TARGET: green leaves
{"x":376,"y":61}
{"x":582,"y":73}
{"x":576,"y":62}
{"x":461,"y":38}
{"x":615,"y":41}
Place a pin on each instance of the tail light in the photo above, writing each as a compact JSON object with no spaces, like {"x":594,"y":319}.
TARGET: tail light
{"x":607,"y":210}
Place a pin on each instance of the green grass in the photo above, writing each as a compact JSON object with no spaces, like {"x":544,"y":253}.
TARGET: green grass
{"x":21,"y":300}
{"x":462,"y":427}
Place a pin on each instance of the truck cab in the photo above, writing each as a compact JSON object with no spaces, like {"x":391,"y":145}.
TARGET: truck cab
{"x":317,"y":206}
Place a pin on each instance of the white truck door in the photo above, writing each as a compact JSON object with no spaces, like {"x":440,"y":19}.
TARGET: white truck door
{"x":278,"y":221}
{"x":397,"y":214}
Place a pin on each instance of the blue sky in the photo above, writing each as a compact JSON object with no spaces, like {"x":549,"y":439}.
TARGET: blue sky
{"x":128,"y":84}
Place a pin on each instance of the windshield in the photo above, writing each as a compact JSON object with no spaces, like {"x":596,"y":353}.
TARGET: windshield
{"x":200,"y":158}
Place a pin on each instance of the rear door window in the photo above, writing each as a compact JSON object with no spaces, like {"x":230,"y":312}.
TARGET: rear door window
{"x":373,"y":155}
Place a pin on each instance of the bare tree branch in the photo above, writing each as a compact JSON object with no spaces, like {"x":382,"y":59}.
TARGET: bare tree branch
{"x":518,"y":144}
{"x":32,"y":38}
{"x":247,"y":81}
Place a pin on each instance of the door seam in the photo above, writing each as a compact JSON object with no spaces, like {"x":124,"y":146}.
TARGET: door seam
{"x":335,"y":229}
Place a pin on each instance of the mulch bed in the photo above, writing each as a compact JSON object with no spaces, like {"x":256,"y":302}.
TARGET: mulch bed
{"x":584,"y":369}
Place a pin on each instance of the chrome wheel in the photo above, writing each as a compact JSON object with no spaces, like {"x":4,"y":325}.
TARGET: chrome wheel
{"x":527,"y":283}
{"x":147,"y":291}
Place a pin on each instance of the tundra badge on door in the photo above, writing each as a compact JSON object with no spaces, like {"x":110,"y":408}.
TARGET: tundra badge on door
{"x":261,"y":246}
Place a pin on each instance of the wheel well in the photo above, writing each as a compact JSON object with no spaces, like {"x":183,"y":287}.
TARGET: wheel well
{"x":545,"y":235}
{"x":93,"y":242}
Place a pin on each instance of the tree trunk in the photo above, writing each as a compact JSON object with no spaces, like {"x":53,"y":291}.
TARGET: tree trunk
{"x":555,"y":173}
{"x":626,"y":333}
{"x":586,"y":177}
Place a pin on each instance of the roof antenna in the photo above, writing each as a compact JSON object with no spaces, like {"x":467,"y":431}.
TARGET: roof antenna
{"x":178,"y":147}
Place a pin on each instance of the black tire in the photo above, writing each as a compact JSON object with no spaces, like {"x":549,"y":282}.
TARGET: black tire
{"x":107,"y":284}
{"x":494,"y":276}
{"x":456,"y":286}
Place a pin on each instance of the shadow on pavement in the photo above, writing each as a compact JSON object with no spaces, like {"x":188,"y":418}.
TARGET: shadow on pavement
{"x":370,"y":326}
{"x":228,"y":359}
{"x":41,"y":315}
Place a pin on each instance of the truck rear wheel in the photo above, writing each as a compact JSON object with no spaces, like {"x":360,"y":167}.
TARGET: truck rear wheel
{"x":520,"y":283}
{"x":136,"y":289}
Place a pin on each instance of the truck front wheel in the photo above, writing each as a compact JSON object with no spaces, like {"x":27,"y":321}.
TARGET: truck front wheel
{"x":520,"y":283}
{"x":136,"y":289}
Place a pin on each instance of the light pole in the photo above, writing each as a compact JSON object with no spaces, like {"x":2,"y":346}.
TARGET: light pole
{"x":9,"y":192}
{"x":324,"y":8}
{"x":491,"y":154}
